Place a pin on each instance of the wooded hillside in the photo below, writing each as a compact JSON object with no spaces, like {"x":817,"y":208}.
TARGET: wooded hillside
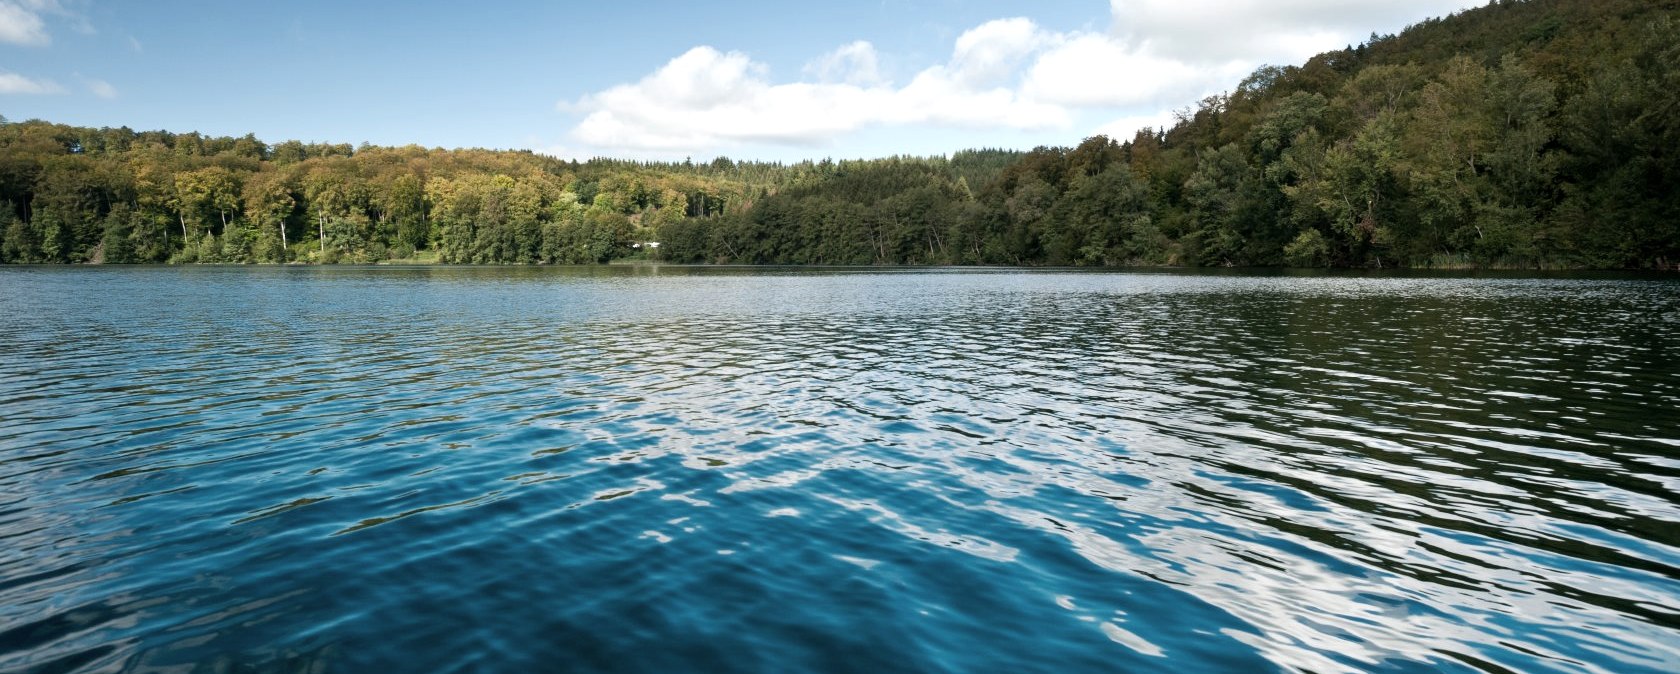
{"x":1523,"y":134}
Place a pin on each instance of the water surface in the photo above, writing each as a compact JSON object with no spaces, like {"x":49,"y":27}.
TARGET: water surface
{"x":668,"y":470}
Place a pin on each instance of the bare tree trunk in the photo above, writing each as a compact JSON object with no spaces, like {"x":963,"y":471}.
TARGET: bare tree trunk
{"x":323,"y":226}
{"x":283,"y":244}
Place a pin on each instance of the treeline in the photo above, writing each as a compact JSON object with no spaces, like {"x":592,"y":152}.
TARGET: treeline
{"x":1523,"y":133}
{"x":70,"y":194}
{"x":1520,"y":134}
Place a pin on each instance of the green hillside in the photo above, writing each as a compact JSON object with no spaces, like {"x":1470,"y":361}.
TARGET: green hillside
{"x":1539,"y":133}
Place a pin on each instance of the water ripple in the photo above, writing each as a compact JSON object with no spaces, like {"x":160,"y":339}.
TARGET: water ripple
{"x":667,"y":469}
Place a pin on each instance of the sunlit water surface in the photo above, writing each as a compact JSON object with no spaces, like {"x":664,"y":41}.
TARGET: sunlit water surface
{"x":669,"y":470}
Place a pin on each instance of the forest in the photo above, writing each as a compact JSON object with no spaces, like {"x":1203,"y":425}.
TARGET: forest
{"x":1521,"y":134}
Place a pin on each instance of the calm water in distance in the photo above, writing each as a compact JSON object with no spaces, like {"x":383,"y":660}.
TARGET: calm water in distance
{"x":660,"y":469}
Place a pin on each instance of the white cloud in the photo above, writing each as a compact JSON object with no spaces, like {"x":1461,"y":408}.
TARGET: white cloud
{"x":1090,"y":70}
{"x":1006,"y":75}
{"x":705,"y":99}
{"x":855,"y":63}
{"x":990,"y":53}
{"x":13,"y":83}
{"x":135,"y":43}
{"x":1263,"y":31}
{"x":1125,"y":128}
{"x":21,"y":24}
{"x":101,"y":88}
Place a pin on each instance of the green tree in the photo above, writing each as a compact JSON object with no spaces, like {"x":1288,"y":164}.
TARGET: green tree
{"x":116,"y":245}
{"x":270,"y":203}
{"x":1216,"y":194}
{"x":406,"y":204}
{"x":55,"y":237}
{"x":207,"y":197}
{"x":17,"y":239}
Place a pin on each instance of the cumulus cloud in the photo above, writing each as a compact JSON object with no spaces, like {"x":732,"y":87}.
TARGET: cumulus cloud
{"x":989,"y":54}
{"x":705,"y":98}
{"x":13,"y":83}
{"x":855,"y":63}
{"x":1262,"y":31}
{"x":1003,"y":75}
{"x":21,"y":24}
{"x":1090,"y":70}
{"x":1126,"y":127}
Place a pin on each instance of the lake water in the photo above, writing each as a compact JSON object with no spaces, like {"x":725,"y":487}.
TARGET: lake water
{"x":662,"y":469}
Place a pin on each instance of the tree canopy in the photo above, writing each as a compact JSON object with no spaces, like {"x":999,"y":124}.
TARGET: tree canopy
{"x":1524,"y":133}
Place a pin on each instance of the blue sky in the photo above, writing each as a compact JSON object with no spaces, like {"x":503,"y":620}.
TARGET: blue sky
{"x":658,"y":79}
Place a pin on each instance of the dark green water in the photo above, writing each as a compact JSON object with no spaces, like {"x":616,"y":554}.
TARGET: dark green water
{"x":668,"y":469}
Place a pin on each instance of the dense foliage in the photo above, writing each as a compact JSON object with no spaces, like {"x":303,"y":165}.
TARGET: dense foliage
{"x":1523,"y":133}
{"x":113,"y":195}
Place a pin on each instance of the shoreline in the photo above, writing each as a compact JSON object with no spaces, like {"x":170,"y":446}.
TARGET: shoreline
{"x":1239,"y":270}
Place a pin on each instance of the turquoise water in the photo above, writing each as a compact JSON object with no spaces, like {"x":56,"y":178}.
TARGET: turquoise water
{"x":667,"y":470}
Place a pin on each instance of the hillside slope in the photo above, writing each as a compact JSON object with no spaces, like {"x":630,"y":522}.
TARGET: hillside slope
{"x":1537,"y":133}
{"x":1531,"y":133}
